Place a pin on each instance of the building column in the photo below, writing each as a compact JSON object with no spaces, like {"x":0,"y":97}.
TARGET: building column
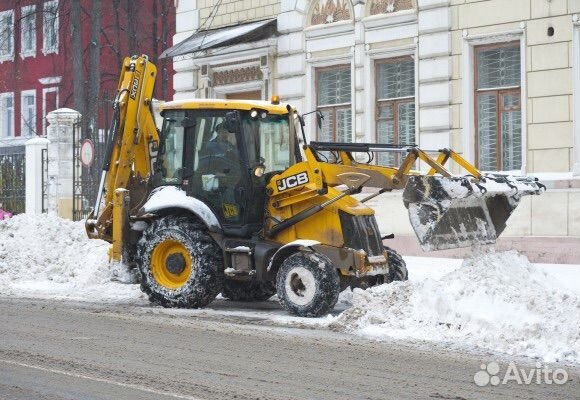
{"x":60,"y":161}
{"x":34,"y":172}
{"x":358,"y":70}
{"x":288,"y":70}
{"x":576,"y":95}
{"x":434,"y":75}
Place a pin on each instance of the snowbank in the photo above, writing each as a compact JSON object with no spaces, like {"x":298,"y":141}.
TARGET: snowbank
{"x":496,"y":301}
{"x":48,"y":256}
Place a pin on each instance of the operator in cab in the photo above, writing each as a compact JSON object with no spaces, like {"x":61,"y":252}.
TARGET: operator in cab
{"x":223,"y":142}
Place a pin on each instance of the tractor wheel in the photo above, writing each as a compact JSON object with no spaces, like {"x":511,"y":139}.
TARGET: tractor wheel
{"x":248,"y":290}
{"x":179,"y":263}
{"x":308,"y":284}
{"x":397,"y":267}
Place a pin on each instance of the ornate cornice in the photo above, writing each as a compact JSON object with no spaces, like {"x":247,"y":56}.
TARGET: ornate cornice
{"x":239,"y":75}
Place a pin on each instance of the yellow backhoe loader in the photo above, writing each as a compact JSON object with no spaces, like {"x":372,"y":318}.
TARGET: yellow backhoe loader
{"x":229,"y":197}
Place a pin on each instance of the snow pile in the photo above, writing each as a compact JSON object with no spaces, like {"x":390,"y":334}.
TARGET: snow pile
{"x":47,"y":256}
{"x":496,"y":301}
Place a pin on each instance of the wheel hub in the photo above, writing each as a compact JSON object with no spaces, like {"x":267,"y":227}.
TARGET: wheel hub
{"x":300,"y":286}
{"x":297,"y":285}
{"x":175,"y":263}
{"x":171,"y":264}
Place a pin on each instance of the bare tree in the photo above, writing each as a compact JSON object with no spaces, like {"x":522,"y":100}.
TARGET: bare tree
{"x":94,"y":67}
{"x":132,"y":26}
{"x":77,"y":58}
{"x":164,"y":44}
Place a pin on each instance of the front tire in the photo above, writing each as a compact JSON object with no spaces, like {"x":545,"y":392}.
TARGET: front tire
{"x":397,"y":267}
{"x":179,"y":263}
{"x":307,"y":284}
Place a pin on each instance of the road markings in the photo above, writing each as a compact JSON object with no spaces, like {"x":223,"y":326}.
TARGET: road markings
{"x":91,"y":378}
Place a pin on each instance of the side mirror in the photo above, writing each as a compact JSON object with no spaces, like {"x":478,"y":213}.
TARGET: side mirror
{"x":319,"y":118}
{"x":233,"y":121}
{"x":301,"y":120}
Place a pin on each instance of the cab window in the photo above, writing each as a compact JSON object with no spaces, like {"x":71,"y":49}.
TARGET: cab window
{"x":268,"y":141}
{"x":171,"y":149}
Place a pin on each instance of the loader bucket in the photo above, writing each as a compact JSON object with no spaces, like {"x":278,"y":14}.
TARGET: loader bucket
{"x":453,"y":212}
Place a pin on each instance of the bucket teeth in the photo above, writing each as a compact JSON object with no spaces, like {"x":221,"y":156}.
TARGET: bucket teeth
{"x":453,"y":212}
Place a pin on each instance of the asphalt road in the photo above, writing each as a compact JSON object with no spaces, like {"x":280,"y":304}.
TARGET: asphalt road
{"x":63,"y":350}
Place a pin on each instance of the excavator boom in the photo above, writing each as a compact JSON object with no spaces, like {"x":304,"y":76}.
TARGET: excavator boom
{"x":131,"y":150}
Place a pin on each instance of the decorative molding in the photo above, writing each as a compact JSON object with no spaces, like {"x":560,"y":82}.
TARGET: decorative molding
{"x":250,"y":62}
{"x":51,"y":80}
{"x":389,"y":6}
{"x":378,"y":21}
{"x":328,"y":30}
{"x":231,"y":76}
{"x":330,"y":11}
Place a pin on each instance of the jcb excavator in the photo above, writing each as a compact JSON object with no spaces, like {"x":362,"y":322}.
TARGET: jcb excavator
{"x":227,"y":198}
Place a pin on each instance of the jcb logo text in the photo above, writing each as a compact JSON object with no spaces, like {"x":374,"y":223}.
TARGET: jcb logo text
{"x":135,"y":85}
{"x":292,"y":181}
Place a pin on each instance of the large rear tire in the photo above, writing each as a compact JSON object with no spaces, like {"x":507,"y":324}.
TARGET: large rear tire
{"x":307,"y":284}
{"x":179,"y":263}
{"x":248,"y":290}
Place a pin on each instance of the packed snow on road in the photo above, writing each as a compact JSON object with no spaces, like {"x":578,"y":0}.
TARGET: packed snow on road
{"x":494,"y":301}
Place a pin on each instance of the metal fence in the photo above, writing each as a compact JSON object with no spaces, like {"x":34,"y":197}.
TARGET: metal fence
{"x":13,"y":178}
{"x":86,"y":179}
{"x":44,"y":180}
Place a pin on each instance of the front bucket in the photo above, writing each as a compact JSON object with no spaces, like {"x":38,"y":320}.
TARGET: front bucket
{"x":448,"y":213}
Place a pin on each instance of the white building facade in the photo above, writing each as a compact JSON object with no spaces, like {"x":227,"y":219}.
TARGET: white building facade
{"x":496,"y":80}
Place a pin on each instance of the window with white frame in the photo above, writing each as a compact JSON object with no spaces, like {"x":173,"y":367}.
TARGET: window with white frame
{"x":50,"y":27}
{"x":395,"y":105}
{"x":333,"y":99}
{"x":28,"y":112}
{"x":28,"y":31}
{"x":6,"y":35}
{"x":498,"y":115}
{"x":6,"y":114}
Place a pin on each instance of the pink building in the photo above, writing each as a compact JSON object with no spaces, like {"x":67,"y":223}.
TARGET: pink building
{"x":36,"y":62}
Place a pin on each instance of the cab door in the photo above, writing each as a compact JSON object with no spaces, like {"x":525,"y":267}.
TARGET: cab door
{"x":218,"y":170}
{"x":268,"y":141}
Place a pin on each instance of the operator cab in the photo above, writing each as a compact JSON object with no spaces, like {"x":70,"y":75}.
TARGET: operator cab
{"x":223,"y":153}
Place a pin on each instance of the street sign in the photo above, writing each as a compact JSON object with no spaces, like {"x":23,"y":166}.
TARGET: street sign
{"x":87,"y":151}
